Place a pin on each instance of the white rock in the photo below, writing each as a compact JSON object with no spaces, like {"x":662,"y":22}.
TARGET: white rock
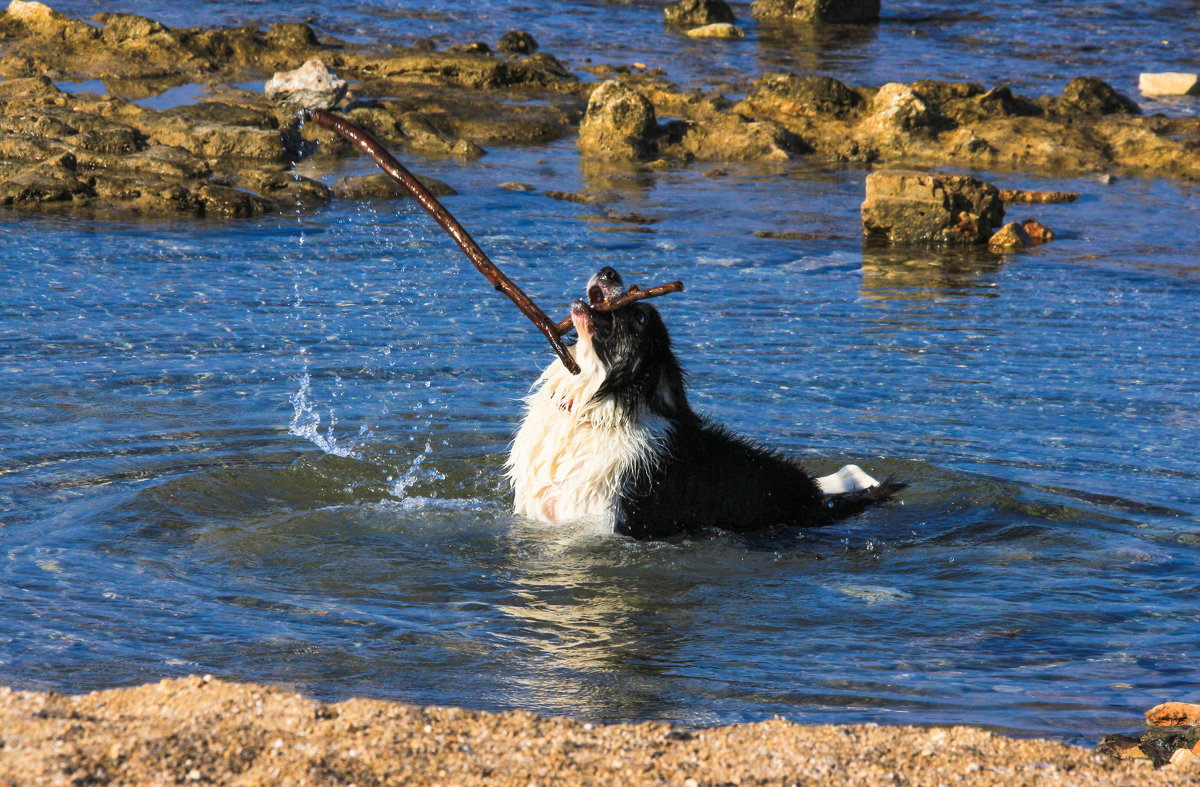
{"x":716,"y":30}
{"x":312,"y":85}
{"x":1170,"y":83}
{"x":18,"y":9}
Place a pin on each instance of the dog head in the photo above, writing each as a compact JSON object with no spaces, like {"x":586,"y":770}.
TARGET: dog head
{"x":631,"y":348}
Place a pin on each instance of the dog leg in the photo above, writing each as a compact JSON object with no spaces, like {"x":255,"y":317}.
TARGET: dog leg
{"x":850,"y":478}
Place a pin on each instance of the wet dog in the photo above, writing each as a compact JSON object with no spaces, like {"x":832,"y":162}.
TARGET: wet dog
{"x":619,"y":443}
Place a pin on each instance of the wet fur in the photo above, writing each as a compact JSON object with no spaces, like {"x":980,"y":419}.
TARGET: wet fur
{"x":619,"y":443}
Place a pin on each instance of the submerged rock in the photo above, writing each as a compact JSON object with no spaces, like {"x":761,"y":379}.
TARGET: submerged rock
{"x":381,"y":186}
{"x":912,"y":207}
{"x":311,"y":86}
{"x":698,"y":13}
{"x":717,"y":30}
{"x":819,"y":11}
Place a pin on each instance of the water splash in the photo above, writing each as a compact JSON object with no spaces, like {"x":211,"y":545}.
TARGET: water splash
{"x":306,"y":422}
{"x":415,"y":472}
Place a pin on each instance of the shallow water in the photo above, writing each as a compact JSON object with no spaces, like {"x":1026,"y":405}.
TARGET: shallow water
{"x":272,"y":450}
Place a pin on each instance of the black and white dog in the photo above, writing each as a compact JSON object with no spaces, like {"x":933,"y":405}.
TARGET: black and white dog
{"x":620,"y":443}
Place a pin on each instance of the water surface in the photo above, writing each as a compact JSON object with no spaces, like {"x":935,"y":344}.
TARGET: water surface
{"x":272,"y":450}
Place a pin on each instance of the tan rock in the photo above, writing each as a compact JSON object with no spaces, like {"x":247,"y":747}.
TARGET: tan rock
{"x":717,"y":30}
{"x":1010,"y":237}
{"x":1169,"y":83}
{"x":1185,"y":758}
{"x":619,"y":123}
{"x":1170,"y":714}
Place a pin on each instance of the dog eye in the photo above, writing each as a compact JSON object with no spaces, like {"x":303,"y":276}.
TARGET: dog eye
{"x":639,"y":319}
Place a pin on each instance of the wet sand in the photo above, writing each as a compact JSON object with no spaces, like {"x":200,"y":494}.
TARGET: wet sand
{"x":198,"y":730}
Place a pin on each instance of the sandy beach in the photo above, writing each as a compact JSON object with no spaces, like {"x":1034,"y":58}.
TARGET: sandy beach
{"x":198,"y":730}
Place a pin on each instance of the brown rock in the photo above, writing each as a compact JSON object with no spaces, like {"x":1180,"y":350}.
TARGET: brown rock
{"x":919,"y":207}
{"x":1010,"y":237}
{"x":1036,"y":231}
{"x":697,"y":13}
{"x":1011,"y":196}
{"x":517,"y":42}
{"x":819,"y":11}
{"x":1091,"y":96}
{"x":1123,"y":747}
{"x":790,"y":94}
{"x":1171,"y":714}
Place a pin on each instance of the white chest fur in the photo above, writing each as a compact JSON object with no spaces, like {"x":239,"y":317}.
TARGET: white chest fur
{"x":573,"y":454}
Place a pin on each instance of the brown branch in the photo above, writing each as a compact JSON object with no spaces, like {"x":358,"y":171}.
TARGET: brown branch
{"x":397,"y":171}
{"x":635,"y":293}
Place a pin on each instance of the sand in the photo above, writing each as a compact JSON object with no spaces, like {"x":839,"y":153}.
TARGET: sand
{"x":198,"y":730}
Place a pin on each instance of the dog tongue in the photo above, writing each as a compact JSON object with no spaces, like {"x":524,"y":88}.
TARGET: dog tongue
{"x":595,"y":294}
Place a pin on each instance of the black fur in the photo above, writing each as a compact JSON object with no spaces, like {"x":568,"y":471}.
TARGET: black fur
{"x":707,"y":477}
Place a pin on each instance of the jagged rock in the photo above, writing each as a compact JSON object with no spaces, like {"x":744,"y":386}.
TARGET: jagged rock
{"x":698,"y":13}
{"x":1010,"y":237}
{"x":920,"y":207}
{"x":717,"y":30}
{"x":1169,"y":84}
{"x":313,"y":86}
{"x":819,"y":11}
{"x":1092,"y":96}
{"x":619,"y":123}
{"x":1037,"y":232}
{"x":897,"y":109}
{"x":517,"y":42}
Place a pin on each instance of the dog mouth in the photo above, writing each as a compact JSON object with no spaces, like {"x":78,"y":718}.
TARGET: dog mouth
{"x":588,"y":319}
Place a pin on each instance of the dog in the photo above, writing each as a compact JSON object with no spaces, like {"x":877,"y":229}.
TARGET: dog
{"x":619,"y":443}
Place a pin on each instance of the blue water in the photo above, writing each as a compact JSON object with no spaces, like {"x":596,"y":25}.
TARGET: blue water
{"x":272,"y":449}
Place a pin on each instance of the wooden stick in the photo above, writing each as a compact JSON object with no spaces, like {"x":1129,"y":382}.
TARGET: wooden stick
{"x":399,"y":173}
{"x":635,"y":293}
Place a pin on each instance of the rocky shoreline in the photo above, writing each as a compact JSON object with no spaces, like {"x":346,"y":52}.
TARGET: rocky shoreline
{"x":231,"y":153}
{"x":197,"y":730}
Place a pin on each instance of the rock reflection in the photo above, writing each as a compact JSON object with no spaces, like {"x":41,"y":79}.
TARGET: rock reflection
{"x":915,"y":273}
{"x":801,"y":47}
